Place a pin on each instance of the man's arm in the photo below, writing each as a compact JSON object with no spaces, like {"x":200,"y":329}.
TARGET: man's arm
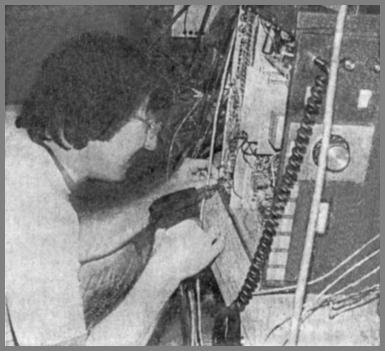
{"x":133,"y":322}
{"x":103,"y":232}
{"x":179,"y":252}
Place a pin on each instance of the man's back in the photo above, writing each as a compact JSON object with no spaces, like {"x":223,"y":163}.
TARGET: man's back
{"x":41,"y":245}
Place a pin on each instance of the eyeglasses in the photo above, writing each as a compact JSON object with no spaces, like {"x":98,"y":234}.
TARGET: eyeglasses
{"x":153,"y":127}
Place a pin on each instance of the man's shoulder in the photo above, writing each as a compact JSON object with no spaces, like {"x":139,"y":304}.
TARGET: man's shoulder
{"x":34,"y":189}
{"x":28,"y":167}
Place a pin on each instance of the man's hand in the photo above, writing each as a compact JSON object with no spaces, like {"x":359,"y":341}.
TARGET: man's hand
{"x":193,"y":173}
{"x":185,"y":249}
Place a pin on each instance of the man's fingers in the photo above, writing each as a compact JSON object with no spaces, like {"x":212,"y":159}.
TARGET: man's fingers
{"x":214,"y":173}
{"x":196,"y":172}
{"x":201,"y":166}
{"x":202,"y":174}
{"x":197,"y":162}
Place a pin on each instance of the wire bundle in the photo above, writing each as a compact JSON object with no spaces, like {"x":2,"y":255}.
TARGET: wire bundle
{"x":339,"y":301}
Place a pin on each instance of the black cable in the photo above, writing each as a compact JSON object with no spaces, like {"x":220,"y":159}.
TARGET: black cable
{"x":228,"y":320}
{"x":282,"y":193}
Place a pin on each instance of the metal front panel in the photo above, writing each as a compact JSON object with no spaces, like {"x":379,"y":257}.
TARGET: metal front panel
{"x":353,"y":194}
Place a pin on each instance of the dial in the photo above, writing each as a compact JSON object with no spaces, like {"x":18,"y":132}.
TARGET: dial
{"x":338,"y":153}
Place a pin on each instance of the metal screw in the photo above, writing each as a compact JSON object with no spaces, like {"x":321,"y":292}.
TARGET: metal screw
{"x":373,"y":64}
{"x":349,"y":65}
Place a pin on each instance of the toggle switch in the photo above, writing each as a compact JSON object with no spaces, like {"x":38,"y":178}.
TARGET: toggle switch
{"x":348,"y":64}
{"x":364,"y":98}
{"x":322,"y":219}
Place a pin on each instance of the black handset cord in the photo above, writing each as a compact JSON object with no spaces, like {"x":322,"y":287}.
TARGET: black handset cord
{"x":281,"y":197}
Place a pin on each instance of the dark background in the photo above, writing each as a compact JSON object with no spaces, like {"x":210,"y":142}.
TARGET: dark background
{"x":33,"y":31}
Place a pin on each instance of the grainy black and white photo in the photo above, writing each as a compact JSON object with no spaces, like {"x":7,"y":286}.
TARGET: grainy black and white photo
{"x":192,"y":175}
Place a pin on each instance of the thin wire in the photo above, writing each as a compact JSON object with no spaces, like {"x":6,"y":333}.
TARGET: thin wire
{"x":358,"y":264}
{"x":339,"y":304}
{"x":320,"y":179}
{"x":235,"y":192}
{"x":326,"y":275}
{"x":317,"y":302}
{"x":373,"y":271}
{"x":312,"y":306}
{"x":188,"y":115}
{"x":309,"y":309}
{"x":216,"y":114}
{"x":342,"y":300}
{"x":370,"y":296}
{"x":359,"y":304}
{"x":193,"y":332}
{"x":323,"y":303}
{"x":276,"y":327}
{"x":211,"y":157}
{"x":199,"y":311}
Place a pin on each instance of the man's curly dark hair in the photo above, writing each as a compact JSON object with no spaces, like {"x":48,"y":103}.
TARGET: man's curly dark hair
{"x":86,"y":90}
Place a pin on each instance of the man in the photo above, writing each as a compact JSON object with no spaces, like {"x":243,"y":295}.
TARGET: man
{"x":88,"y":113}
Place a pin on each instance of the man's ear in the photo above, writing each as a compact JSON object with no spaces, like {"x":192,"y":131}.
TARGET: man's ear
{"x":141,"y":112}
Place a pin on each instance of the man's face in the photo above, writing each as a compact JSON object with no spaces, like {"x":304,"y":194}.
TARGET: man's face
{"x":110,"y":159}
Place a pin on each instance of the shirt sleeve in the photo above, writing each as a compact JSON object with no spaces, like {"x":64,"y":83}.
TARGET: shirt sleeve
{"x":41,"y":260}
